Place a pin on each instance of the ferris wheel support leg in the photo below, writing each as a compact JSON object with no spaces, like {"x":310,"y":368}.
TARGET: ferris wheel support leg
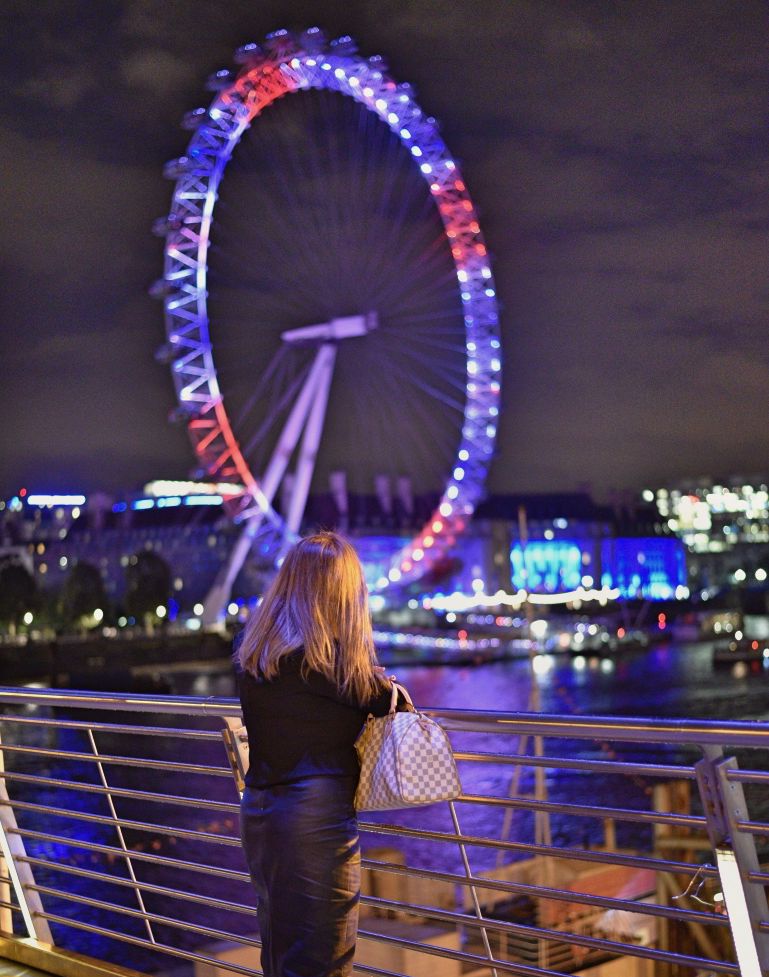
{"x":219,"y":595}
{"x":308,"y":451}
{"x":316,"y":387}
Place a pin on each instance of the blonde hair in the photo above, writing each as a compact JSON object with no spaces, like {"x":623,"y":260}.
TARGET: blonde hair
{"x":319,"y":601}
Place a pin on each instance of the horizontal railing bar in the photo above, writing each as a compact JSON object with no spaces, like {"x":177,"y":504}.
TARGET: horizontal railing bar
{"x":142,"y":762}
{"x":164,"y":890}
{"x":160,"y":947}
{"x":575,"y":854}
{"x":9,"y":905}
{"x":486,"y":962}
{"x":625,"y":768}
{"x":561,"y":936}
{"x":505,"y":966}
{"x":747,"y":776}
{"x":564,"y":895}
{"x":504,"y":885}
{"x":244,"y":940}
{"x":115,"y":907}
{"x":580,"y":810}
{"x":187,"y":733}
{"x":662,"y":731}
{"x":124,"y":823}
{"x":139,"y":795}
{"x":566,"y":937}
{"x":567,"y":895}
{"x":653,"y":864}
{"x":133,"y":855}
{"x":608,"y":902}
{"x":234,"y":807}
{"x":762,"y":878}
{"x":753,"y":828}
{"x":121,"y":702}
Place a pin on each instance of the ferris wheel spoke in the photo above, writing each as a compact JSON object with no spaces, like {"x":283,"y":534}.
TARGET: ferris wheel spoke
{"x":284,"y":402}
{"x":264,"y":381}
{"x":409,"y":330}
{"x":281,"y":210}
{"x":390,"y":242}
{"x":421,"y":431}
{"x":444,"y":368}
{"x":436,"y":393}
{"x":419,"y":284}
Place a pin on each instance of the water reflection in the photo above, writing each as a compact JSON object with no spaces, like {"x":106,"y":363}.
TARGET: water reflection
{"x":667,"y":680}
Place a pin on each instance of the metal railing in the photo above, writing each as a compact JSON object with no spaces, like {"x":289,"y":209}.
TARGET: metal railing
{"x":120,"y":840}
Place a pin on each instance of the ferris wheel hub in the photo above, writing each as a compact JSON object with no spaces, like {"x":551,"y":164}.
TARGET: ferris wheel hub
{"x":344,"y":327}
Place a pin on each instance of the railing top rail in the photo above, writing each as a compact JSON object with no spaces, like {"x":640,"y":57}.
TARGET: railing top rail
{"x":636,"y":729}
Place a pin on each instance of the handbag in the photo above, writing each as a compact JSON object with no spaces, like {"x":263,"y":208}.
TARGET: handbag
{"x":405,"y":760}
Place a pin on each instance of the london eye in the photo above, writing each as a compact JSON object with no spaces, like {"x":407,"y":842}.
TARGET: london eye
{"x":330,"y":304}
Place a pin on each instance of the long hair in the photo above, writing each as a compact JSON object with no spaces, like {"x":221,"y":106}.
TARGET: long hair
{"x":319,"y":601}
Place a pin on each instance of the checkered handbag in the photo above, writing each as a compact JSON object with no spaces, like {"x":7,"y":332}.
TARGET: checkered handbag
{"x":405,"y":760}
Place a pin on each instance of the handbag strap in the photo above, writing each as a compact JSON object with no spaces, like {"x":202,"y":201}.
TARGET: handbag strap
{"x":394,"y":699}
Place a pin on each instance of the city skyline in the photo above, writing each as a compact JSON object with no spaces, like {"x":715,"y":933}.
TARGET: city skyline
{"x":618,"y":160}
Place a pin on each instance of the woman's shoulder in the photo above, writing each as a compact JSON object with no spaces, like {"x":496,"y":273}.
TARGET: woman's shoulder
{"x":288,"y":664}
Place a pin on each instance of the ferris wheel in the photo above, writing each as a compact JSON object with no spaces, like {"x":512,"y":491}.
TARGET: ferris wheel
{"x":337,"y":286}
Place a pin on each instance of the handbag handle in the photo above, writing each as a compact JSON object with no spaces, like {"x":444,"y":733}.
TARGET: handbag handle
{"x":394,"y":699}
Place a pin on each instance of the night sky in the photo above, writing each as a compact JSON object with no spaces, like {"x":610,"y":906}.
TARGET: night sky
{"x":617,"y":153}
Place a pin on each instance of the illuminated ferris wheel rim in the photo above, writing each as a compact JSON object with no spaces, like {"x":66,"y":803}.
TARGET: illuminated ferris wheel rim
{"x":289,"y":63}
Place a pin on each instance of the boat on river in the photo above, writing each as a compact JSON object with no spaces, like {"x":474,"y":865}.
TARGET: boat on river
{"x":743,"y":649}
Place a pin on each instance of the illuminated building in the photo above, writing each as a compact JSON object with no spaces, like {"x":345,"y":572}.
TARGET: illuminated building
{"x":568,"y":541}
{"x":724,"y":524}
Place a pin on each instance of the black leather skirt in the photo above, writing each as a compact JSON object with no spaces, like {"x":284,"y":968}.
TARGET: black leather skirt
{"x":301,"y":845}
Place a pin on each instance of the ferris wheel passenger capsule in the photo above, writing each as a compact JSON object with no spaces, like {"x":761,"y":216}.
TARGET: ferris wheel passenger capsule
{"x":313,"y":39}
{"x":161,"y":226}
{"x":219,"y":80}
{"x":184,"y":413}
{"x":281,"y":44}
{"x":191,"y":120}
{"x":175,"y":168}
{"x":344,"y":45}
{"x":161,"y":288}
{"x":247,"y":53}
{"x":166,"y":353}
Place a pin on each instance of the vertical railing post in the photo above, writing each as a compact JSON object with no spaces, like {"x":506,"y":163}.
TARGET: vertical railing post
{"x":473,"y":890}
{"x":19,"y":870}
{"x":121,"y":838}
{"x":6,"y":915}
{"x":724,"y":805}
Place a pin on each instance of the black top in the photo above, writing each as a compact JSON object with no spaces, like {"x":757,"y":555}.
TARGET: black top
{"x":301,"y":728}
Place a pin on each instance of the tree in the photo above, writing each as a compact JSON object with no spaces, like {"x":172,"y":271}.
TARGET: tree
{"x":83,"y":593}
{"x":148,"y":585}
{"x":18,"y":594}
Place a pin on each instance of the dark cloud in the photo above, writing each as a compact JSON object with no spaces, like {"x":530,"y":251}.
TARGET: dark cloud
{"x":617,"y":154}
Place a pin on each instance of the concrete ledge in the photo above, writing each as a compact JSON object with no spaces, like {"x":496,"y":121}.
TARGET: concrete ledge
{"x":61,"y":963}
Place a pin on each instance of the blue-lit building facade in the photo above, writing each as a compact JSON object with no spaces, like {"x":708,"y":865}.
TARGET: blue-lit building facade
{"x":556,"y":544}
